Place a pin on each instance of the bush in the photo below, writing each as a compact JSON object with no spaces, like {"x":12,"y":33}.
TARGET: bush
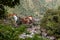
{"x":7,"y":32}
{"x":2,"y":12}
{"x":51,"y":22}
{"x":9,"y":3}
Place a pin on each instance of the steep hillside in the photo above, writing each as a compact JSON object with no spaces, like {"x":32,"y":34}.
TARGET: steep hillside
{"x":33,"y":7}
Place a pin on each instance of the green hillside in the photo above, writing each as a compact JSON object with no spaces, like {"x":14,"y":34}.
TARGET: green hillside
{"x":44,"y":10}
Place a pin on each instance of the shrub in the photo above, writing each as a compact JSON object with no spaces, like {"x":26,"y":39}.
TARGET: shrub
{"x":10,"y":33}
{"x":51,"y":22}
{"x":2,"y":12}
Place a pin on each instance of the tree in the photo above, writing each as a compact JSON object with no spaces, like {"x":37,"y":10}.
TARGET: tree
{"x":10,"y":3}
{"x":2,"y":11}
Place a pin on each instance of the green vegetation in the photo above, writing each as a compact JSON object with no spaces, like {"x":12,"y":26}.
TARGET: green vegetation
{"x":9,"y":3}
{"x":11,"y":33}
{"x":51,"y":22}
{"x":36,"y":37}
{"x":7,"y":32}
{"x":2,"y":12}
